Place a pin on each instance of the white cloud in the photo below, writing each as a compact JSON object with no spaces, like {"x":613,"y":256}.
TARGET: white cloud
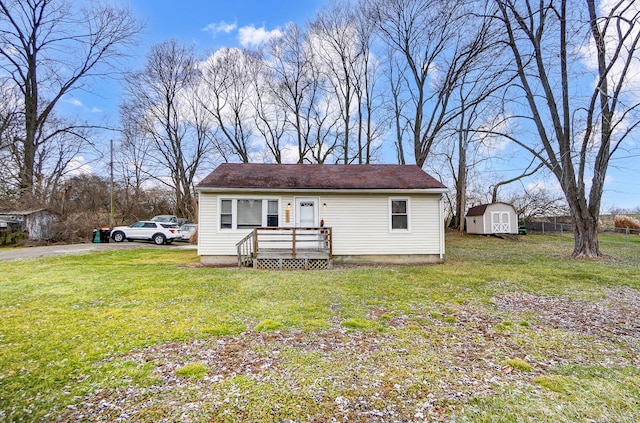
{"x":73,"y":101}
{"x":250,"y":36}
{"x":78,"y":166}
{"x":96,"y":110}
{"x":222,"y":26}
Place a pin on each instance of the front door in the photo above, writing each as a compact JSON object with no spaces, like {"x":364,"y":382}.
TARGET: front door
{"x":307,"y":216}
{"x":307,"y":212}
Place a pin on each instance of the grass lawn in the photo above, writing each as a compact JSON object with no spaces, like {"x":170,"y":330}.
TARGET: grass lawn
{"x":504,"y":331}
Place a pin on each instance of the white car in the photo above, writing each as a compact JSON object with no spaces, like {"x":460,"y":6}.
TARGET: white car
{"x":187,"y":230}
{"x":145,"y":230}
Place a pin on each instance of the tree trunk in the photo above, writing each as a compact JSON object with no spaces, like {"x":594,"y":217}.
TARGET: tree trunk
{"x":585,"y":232}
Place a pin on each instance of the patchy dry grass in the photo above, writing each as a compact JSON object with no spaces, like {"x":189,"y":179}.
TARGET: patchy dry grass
{"x":503,"y":331}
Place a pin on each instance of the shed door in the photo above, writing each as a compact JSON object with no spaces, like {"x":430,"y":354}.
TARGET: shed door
{"x":500,"y":222}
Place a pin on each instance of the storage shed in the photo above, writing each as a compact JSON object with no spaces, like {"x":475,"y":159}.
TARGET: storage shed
{"x":318,"y":213}
{"x":495,"y":218}
{"x":37,"y":224}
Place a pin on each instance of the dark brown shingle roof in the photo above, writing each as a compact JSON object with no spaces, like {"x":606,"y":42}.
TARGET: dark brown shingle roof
{"x":477,"y":210}
{"x":319,"y":176}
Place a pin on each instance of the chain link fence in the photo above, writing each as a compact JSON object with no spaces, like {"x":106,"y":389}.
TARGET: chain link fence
{"x":609,"y":234}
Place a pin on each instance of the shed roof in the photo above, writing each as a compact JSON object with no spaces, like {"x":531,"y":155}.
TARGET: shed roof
{"x":479,"y":210}
{"x":319,"y":176}
{"x":23,"y":212}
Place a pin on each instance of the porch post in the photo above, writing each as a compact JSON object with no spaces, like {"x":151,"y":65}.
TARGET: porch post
{"x":255,"y":242}
{"x":293,"y":243}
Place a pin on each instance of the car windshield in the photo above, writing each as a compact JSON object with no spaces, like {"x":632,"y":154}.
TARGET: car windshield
{"x":169,"y":225}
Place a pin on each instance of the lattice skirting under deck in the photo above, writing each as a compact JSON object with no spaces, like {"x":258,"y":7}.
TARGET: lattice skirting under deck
{"x":290,"y":264}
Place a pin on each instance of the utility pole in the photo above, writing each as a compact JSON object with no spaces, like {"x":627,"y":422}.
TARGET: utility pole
{"x":112,"y":194}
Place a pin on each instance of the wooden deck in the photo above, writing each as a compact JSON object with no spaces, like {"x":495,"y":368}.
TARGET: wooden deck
{"x":286,"y":248}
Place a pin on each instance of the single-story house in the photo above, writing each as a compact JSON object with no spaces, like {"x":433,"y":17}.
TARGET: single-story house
{"x":37,"y":224}
{"x":371,"y":213}
{"x":495,"y":218}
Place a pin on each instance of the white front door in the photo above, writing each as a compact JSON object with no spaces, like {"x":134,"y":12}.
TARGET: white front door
{"x":307,"y":216}
{"x":500,"y":223}
{"x":307,"y":212}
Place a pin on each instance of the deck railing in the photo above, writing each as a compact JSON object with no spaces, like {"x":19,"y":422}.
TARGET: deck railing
{"x":285,"y":242}
{"x":246,"y":250}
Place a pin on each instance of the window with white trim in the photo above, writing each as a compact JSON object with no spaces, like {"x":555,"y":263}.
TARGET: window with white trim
{"x":399,"y":214}
{"x":248,"y":213}
{"x":226,"y":214}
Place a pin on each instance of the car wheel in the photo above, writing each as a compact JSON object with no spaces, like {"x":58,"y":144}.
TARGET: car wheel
{"x":158,"y":239}
{"x":118,"y":236}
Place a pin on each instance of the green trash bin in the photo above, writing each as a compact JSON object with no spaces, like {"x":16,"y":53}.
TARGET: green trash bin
{"x":96,"y":236}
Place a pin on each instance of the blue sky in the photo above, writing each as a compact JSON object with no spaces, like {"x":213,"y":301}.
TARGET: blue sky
{"x":209,"y":25}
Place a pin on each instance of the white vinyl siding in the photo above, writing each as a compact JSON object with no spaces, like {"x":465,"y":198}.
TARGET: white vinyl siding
{"x":360,"y":223}
{"x":216,"y":240}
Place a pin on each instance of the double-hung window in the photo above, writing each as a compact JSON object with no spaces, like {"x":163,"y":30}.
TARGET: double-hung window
{"x":248,"y":213}
{"x":399,"y":214}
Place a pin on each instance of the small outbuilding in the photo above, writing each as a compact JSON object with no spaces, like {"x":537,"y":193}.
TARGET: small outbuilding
{"x":36,"y":224}
{"x":489,"y":219}
{"x":305,"y":214}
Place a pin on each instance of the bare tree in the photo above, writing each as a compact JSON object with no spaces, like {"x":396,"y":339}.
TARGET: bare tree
{"x":161,"y":102}
{"x":334,"y":37}
{"x":531,"y":203}
{"x":553,"y":45}
{"x":11,"y":128}
{"x":370,"y":121}
{"x":49,"y":48}
{"x":479,"y":83}
{"x":132,"y":167}
{"x":342,"y":39}
{"x":296,"y":82}
{"x":227,"y":96}
{"x":427,"y":52}
{"x":270,"y":119}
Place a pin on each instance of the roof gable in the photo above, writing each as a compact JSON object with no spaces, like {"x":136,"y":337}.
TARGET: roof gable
{"x":319,"y":176}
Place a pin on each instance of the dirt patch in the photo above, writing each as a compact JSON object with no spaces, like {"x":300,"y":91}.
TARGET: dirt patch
{"x":423,"y":367}
{"x":617,"y":315}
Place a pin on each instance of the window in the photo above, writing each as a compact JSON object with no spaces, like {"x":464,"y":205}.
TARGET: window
{"x":399,"y":214}
{"x":248,"y":213}
{"x":226,"y":217}
{"x":272,"y":213}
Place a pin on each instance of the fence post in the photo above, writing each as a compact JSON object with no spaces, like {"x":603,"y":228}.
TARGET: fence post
{"x":626,"y":238}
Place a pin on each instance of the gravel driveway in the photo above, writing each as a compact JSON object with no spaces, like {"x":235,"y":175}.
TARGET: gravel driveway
{"x":53,"y":250}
